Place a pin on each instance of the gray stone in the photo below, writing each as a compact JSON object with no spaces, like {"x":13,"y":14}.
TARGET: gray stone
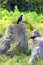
{"x":35,"y":33}
{"x":37,"y":49}
{"x":16,"y":33}
{"x":4,"y":46}
{"x":18,"y":36}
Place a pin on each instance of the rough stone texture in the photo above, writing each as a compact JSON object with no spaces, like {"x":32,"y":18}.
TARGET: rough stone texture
{"x":17,"y":34}
{"x":37,"y":50}
{"x":35,"y":33}
{"x":37,"y":47}
{"x":4,"y":46}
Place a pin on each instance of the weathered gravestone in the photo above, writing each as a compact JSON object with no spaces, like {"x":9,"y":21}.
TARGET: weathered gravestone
{"x":17,"y":34}
{"x":37,"y":49}
{"x":4,"y":46}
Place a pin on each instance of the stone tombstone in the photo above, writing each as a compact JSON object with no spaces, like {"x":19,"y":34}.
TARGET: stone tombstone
{"x":4,"y":46}
{"x":37,"y":50}
{"x":16,"y":33}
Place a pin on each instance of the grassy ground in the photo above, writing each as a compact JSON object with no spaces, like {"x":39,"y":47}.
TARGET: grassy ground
{"x":22,"y":59}
{"x":16,"y":57}
{"x":38,"y":62}
{"x":16,"y":60}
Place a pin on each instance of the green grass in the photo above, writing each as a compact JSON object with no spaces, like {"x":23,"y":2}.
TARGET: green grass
{"x":21,"y":59}
{"x":38,"y":62}
{"x":16,"y":60}
{"x":29,"y":18}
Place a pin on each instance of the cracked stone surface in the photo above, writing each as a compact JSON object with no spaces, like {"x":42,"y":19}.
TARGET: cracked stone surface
{"x":15,"y":33}
{"x":37,"y":50}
